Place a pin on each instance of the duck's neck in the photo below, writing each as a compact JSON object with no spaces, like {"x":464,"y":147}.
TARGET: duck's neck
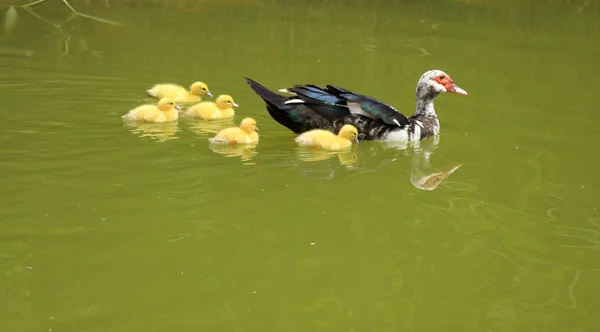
{"x":425,"y":107}
{"x":425,"y":98}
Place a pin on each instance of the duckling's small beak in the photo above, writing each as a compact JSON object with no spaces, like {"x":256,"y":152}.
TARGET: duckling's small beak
{"x":255,"y":128}
{"x":235,"y":105}
{"x":208,"y":93}
{"x":356,"y":140}
{"x":177,"y":107}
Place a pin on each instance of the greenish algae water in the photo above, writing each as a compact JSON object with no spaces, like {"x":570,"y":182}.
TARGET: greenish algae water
{"x":107,"y":226}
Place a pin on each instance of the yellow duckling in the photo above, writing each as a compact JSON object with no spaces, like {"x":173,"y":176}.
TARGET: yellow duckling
{"x":246,"y":133}
{"x":207,"y":110}
{"x":327,"y":140}
{"x":165,"y":110}
{"x":178,"y":93}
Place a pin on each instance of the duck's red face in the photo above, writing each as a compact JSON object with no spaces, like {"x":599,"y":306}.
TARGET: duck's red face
{"x":448,"y":83}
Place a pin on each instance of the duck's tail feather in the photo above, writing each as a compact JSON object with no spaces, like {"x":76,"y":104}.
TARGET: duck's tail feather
{"x":295,"y":115}
{"x":275,"y":103}
{"x":270,"y":97}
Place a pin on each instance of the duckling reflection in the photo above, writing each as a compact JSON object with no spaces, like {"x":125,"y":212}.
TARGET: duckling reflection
{"x":346,"y":157}
{"x":161,"y":132}
{"x":210,"y":127}
{"x":421,"y":175}
{"x":246,"y":152}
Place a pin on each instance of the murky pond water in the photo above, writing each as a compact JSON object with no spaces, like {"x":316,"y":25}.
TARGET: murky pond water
{"x":108,"y":226}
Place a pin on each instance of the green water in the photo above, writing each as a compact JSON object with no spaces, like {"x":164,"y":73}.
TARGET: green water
{"x":107,"y":226}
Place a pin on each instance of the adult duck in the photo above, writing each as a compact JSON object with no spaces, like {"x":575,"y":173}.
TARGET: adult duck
{"x":313,"y":107}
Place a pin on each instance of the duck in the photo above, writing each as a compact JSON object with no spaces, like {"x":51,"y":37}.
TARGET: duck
{"x":208,"y":110}
{"x":327,"y":140}
{"x":308,"y":107}
{"x":165,"y":110}
{"x":178,"y":93}
{"x":246,"y":133}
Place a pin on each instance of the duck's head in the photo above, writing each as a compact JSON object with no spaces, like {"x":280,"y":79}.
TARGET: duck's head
{"x":349,"y":132}
{"x":434,"y":82}
{"x":225,"y":101}
{"x":200,"y":89}
{"x":249,"y":125}
{"x":167,"y":104}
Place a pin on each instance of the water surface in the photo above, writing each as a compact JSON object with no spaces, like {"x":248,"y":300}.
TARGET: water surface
{"x":110,"y":226}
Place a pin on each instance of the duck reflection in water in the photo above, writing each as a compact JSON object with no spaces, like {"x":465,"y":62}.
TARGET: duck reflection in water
{"x":421,"y":175}
{"x":246,"y":152}
{"x":161,"y":132}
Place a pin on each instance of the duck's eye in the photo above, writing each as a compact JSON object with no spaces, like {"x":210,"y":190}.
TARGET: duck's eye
{"x":228,"y":102}
{"x":442,"y":77}
{"x":204,"y":89}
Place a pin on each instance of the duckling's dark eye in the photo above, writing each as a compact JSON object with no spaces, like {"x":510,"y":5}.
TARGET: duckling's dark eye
{"x":204,"y":89}
{"x":228,"y":102}
{"x":442,"y":77}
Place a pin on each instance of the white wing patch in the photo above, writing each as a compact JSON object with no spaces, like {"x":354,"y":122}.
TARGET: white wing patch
{"x":294,"y":101}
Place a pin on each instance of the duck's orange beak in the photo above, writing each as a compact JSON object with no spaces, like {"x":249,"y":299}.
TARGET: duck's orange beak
{"x":453,"y":88}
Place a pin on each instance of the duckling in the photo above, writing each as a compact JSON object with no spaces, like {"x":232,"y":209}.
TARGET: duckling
{"x":327,"y":140}
{"x":246,"y":133}
{"x":165,"y":110}
{"x":207,"y":110}
{"x":178,"y":93}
